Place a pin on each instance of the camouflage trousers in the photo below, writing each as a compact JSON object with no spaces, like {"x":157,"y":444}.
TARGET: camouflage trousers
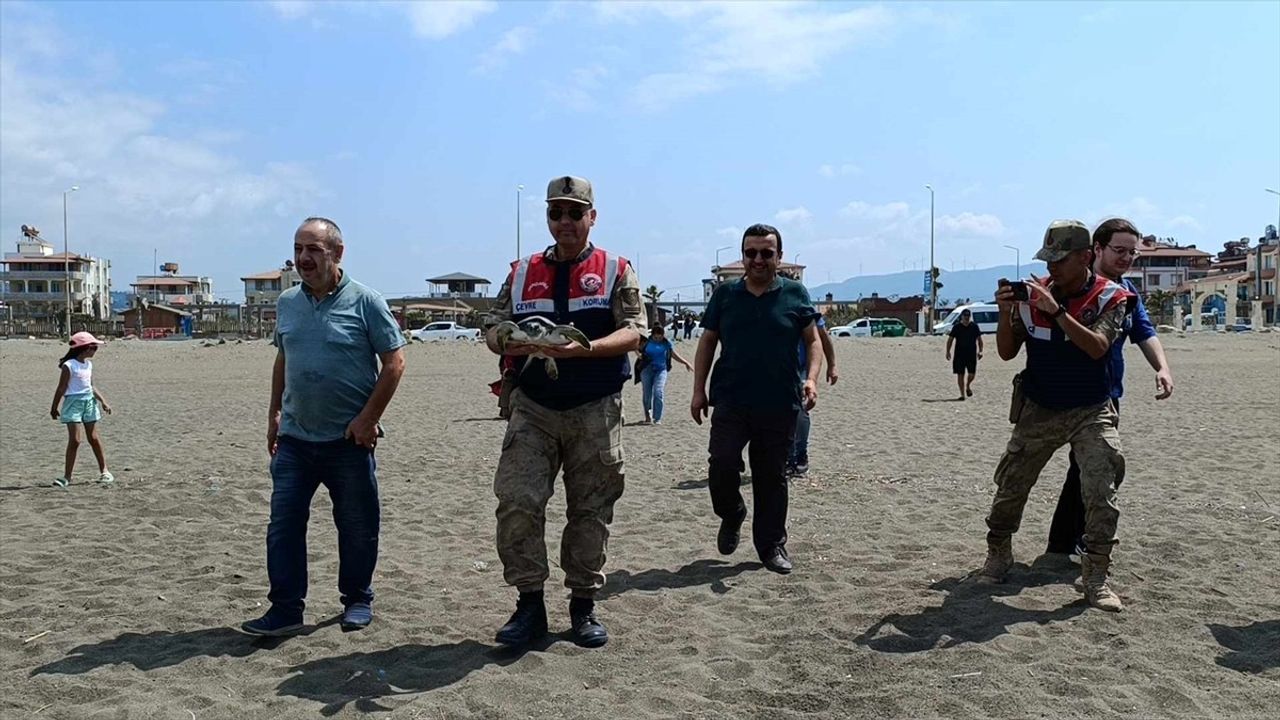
{"x":586,"y":442}
{"x":1094,"y":438}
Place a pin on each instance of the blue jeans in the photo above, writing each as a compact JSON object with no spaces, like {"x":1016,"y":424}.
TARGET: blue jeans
{"x":297,"y":470}
{"x":653,"y":385}
{"x":800,"y":446}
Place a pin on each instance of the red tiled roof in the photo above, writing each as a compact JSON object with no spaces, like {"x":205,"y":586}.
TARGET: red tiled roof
{"x":273,"y":275}
{"x":156,"y":282}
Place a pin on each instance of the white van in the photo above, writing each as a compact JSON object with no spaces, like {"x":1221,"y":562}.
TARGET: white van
{"x":987,"y":315}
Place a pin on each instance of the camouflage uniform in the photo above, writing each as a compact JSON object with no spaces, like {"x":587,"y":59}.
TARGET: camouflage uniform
{"x":1039,"y":432}
{"x":586,"y":443}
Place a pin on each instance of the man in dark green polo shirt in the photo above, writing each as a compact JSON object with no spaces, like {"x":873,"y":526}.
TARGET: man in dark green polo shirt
{"x":757,"y":322}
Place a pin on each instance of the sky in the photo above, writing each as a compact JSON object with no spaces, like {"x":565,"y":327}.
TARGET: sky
{"x":204,"y":132}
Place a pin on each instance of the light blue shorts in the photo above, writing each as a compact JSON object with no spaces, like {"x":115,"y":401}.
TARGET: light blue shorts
{"x":82,"y":408}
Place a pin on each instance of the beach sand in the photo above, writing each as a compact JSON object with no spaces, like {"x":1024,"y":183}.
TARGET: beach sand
{"x":123,"y":601}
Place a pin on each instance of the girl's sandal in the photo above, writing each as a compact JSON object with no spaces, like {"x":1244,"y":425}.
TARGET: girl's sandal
{"x":106,"y":478}
{"x":61,"y":482}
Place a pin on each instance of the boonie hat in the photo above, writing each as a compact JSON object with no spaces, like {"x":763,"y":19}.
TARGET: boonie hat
{"x":1063,"y":238}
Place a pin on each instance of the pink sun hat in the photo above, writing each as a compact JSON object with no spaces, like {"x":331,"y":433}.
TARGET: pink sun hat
{"x":81,"y":339}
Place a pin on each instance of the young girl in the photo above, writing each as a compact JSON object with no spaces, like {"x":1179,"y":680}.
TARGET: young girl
{"x":80,"y":404}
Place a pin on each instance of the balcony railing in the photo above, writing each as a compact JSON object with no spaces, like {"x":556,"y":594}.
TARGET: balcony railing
{"x":19,"y":275}
{"x":15,"y":298}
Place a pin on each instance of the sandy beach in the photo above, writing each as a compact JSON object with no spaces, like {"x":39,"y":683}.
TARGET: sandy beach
{"x":124,"y":601}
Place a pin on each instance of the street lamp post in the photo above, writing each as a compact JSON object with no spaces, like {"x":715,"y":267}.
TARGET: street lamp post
{"x":933,"y":282}
{"x":1017,"y":258}
{"x":720,"y":250}
{"x":66,"y":255}
{"x":1275,"y":296}
{"x":519,"y":189}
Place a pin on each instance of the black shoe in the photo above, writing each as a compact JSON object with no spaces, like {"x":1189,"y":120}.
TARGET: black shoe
{"x":777,"y":561}
{"x":730,"y":534}
{"x":585,"y":628}
{"x":527,"y":624}
{"x":274,"y":624}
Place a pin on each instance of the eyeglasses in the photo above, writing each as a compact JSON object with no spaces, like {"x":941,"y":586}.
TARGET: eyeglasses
{"x":765,"y":254}
{"x":1124,"y":252}
{"x":575,"y":214}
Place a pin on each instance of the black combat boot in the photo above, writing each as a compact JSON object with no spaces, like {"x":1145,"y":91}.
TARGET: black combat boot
{"x":528,"y":623}
{"x":586,"y":628}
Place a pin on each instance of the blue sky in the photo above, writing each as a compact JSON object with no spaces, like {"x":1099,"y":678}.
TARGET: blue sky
{"x":207,"y":131}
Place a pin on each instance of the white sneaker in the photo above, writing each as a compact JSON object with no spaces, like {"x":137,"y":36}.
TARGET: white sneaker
{"x":106,"y":478}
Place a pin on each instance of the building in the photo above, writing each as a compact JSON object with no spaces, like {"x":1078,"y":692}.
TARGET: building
{"x":170,"y":288}
{"x":33,"y":283}
{"x":1261,"y":265}
{"x":458,"y":285}
{"x":1164,"y":266}
{"x":151,"y":320}
{"x":265,"y":288}
{"x":735,"y":270}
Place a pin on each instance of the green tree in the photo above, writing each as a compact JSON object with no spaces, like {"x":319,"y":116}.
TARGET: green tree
{"x":652,"y":293}
{"x":1159,"y":305}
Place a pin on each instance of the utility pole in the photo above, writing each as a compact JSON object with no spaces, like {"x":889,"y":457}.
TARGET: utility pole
{"x":933,"y":281}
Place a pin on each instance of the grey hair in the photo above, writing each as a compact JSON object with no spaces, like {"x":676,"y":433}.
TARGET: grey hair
{"x":332,"y":233}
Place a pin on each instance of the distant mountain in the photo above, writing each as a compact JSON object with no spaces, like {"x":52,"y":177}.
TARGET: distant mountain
{"x":975,"y":285}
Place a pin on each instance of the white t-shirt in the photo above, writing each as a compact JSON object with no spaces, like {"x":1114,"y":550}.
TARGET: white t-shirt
{"x":81,"y":377}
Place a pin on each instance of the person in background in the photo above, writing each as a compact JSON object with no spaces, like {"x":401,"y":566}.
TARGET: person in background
{"x":967,"y":337}
{"x":653,"y":364}
{"x":798,"y":461}
{"x":82,"y":405}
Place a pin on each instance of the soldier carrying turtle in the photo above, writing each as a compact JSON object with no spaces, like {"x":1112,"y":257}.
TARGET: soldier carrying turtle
{"x":566,"y":410}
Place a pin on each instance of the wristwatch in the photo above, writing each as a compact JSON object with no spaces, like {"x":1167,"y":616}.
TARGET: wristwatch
{"x":1062,"y":310}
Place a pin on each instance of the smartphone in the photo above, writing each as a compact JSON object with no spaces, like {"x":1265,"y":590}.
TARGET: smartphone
{"x":1019,"y":289}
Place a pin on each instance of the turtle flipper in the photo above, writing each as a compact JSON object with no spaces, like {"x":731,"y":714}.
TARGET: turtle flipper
{"x":553,"y":370}
{"x":574,"y":334}
{"x":503,"y":334}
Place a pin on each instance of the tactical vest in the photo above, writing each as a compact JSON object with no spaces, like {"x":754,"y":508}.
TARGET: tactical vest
{"x":1059,"y":374}
{"x":579,"y":293}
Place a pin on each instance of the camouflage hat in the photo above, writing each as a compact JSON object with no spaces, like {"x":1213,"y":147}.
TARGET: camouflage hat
{"x":571,"y":188}
{"x":1063,"y":238}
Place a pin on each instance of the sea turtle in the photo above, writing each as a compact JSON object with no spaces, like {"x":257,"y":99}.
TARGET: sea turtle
{"x":540,"y":332}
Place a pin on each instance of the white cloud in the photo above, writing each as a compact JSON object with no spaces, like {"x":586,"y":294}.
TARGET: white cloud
{"x":1150,"y":218}
{"x":1185,"y":221}
{"x":971,"y":225}
{"x":729,"y":231}
{"x":893,"y":212}
{"x":733,"y":43}
{"x":439,"y":19}
{"x":142,"y":183}
{"x":513,"y":42}
{"x":794,"y":215}
{"x":830,"y":171}
{"x":292,"y":9}
{"x":580,"y":91}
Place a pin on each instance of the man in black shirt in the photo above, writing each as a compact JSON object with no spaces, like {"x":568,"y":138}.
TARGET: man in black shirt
{"x":967,"y":337}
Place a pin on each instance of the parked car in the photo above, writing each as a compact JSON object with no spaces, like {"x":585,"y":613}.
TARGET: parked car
{"x":1242,"y":326}
{"x":444,"y":331}
{"x":987,"y":315}
{"x":870,"y":327}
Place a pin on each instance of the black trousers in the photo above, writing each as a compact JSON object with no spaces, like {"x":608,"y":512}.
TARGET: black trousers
{"x":1067,"y":527}
{"x":767,"y":435}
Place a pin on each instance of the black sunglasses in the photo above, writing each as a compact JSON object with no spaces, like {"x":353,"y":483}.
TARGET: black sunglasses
{"x":575,"y":214}
{"x":765,"y":254}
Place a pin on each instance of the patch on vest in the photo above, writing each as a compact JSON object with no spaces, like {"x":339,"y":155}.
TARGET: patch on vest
{"x":590,"y":283}
{"x":1088,"y":315}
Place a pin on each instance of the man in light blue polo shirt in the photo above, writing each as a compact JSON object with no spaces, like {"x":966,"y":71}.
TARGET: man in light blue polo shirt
{"x":327,"y":396}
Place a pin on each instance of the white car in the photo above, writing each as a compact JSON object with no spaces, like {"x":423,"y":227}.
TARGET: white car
{"x":986,"y":315}
{"x":444,"y":331}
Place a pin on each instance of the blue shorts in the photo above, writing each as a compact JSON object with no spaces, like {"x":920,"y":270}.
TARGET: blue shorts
{"x":82,"y":408}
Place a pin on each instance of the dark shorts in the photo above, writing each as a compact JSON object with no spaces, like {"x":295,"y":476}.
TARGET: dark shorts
{"x":961,"y":364}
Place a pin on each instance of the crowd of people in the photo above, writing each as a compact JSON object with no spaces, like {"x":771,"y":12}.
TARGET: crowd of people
{"x":756,"y":377}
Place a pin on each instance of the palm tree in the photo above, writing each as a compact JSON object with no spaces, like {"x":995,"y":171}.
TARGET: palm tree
{"x":652,"y":293}
{"x":1158,"y":304}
